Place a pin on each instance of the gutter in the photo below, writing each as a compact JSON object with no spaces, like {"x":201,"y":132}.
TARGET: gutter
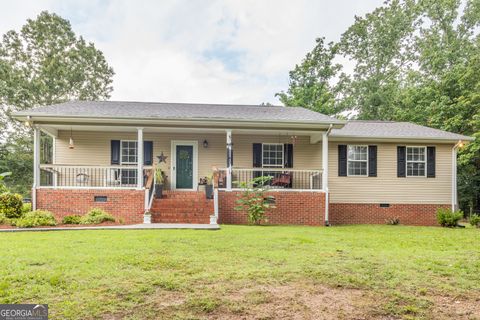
{"x":325,"y":170}
{"x":455,"y":148}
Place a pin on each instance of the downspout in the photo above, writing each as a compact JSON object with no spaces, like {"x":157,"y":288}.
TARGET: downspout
{"x":455,"y":148}
{"x":325,"y":170}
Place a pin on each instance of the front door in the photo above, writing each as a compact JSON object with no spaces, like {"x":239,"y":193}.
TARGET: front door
{"x":184,"y":165}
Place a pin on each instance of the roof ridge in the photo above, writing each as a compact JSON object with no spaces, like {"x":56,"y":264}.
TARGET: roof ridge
{"x":183,"y":103}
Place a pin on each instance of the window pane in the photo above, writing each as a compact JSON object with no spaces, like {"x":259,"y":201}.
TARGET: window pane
{"x":129,"y":151}
{"x":272,"y":155}
{"x":357,"y":152}
{"x":416,"y":169}
{"x":357,"y":168}
{"x":129,"y":176}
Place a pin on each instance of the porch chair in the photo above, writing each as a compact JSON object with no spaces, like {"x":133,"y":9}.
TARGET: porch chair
{"x":283,"y":180}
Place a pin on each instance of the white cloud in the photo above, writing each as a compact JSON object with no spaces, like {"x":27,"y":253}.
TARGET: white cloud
{"x":198,"y":51}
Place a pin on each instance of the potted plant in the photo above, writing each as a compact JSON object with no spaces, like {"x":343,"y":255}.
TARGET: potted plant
{"x":159,"y":180}
{"x":209,"y":187}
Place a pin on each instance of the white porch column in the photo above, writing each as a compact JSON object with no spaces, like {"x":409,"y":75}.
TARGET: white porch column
{"x":325,"y":171}
{"x":36,"y":165}
{"x":140,"y":158}
{"x":229,"y":159}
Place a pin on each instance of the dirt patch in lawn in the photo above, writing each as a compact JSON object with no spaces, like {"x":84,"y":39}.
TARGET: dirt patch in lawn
{"x":297,"y":300}
{"x":456,"y":308}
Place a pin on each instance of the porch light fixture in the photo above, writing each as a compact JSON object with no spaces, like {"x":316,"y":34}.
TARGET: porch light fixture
{"x":205,"y":143}
{"x":459,"y":144}
{"x":27,"y":122}
{"x":71,"y":145}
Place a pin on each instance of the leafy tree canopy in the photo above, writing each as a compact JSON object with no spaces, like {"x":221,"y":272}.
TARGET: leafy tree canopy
{"x":413,"y":60}
{"x":44,"y":63}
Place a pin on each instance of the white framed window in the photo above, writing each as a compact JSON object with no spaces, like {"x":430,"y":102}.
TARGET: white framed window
{"x":416,"y":161}
{"x":129,"y":176}
{"x":128,"y":152}
{"x":357,"y":160}
{"x":272,"y":155}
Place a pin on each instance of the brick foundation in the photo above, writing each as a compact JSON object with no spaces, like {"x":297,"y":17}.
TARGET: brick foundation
{"x":372,"y":213}
{"x":125,"y":204}
{"x":300,"y":208}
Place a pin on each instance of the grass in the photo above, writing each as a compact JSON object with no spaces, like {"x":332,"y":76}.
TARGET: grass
{"x":241,"y":271}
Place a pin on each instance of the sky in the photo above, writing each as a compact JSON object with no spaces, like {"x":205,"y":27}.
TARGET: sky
{"x":237,"y":52}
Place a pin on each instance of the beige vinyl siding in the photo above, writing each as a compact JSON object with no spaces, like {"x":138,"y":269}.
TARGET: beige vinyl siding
{"x":387,"y":187}
{"x":93,"y":148}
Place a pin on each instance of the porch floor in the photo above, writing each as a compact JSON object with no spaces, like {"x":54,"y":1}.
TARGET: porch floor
{"x":142,"y":226}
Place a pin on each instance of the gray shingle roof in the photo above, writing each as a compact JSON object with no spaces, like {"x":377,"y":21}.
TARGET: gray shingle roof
{"x":122,"y":109}
{"x":390,"y":129}
{"x":195,"y":111}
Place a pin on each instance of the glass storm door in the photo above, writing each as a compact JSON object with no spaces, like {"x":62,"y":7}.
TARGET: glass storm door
{"x":184,"y":167}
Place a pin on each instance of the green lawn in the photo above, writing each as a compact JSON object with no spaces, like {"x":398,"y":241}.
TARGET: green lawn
{"x":246,"y":272}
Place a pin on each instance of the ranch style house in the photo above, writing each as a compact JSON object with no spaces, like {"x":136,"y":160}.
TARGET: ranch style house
{"x":324,"y":171}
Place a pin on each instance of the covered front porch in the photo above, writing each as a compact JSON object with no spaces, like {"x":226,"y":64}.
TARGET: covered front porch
{"x":98,"y":159}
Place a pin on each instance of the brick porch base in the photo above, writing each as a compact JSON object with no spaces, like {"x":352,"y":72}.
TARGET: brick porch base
{"x":125,"y":204}
{"x":372,"y":213}
{"x":292,"y":207}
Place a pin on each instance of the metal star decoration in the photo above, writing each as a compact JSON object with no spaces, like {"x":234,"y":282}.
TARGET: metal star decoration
{"x":162,"y":158}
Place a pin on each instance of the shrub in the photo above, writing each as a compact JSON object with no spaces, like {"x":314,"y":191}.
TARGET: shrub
{"x":253,"y":199}
{"x":448,"y":218}
{"x":73,"y":219}
{"x":36,"y":218}
{"x":3,"y":219}
{"x":11,"y":205}
{"x":26,"y":207}
{"x":393,"y":221}
{"x":474,"y":220}
{"x":96,"y":216}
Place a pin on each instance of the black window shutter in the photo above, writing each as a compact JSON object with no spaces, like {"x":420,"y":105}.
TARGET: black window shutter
{"x":430,"y":162}
{"x":372,"y":161}
{"x":342,"y":160}
{"x":148,"y":153}
{"x":115,"y":151}
{"x":257,"y":155}
{"x":288,"y":155}
{"x":401,"y":162}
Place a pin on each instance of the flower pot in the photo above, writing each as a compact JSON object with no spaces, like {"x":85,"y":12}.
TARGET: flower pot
{"x":158,"y":191}
{"x":209,"y":191}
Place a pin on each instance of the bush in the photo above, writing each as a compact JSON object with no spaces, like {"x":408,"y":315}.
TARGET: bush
{"x":26,"y":207}
{"x":474,"y":220}
{"x":73,"y":219}
{"x":448,"y":218}
{"x":96,"y":216}
{"x":253,"y":199}
{"x":11,"y":205}
{"x":36,"y":218}
{"x":3,"y":219}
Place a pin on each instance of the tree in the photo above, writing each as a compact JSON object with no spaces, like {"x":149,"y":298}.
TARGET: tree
{"x":414,"y":61}
{"x":311,"y":81}
{"x":45,"y":63}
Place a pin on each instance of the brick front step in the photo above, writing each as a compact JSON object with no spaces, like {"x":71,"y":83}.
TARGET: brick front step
{"x":182,"y":207}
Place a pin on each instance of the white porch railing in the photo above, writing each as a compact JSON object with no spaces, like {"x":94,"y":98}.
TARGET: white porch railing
{"x":281,"y":178}
{"x":78,"y":176}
